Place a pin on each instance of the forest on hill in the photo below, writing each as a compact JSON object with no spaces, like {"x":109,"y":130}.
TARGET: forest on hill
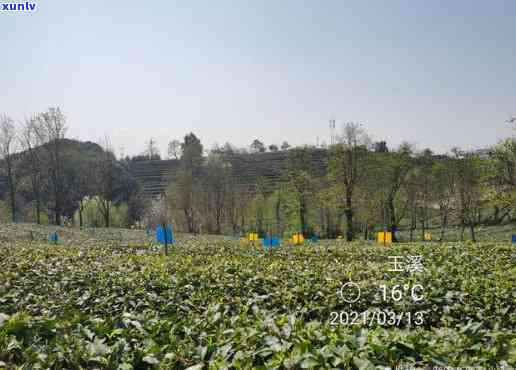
{"x":351,"y":188}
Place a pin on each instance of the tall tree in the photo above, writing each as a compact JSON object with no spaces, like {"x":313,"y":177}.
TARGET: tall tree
{"x":31,"y":142}
{"x":192,"y":153}
{"x":469,"y":177}
{"x":300,"y":174}
{"x":395,"y":167}
{"x":237,"y":200}
{"x":348,"y":165}
{"x":424,"y":176}
{"x":51,"y":131}
{"x":412,"y":194}
{"x":105,"y":165}
{"x":84,"y":187}
{"x":152,"y":151}
{"x":8,"y":148}
{"x":443,"y":191}
{"x":218,"y":172}
{"x":185,"y":189}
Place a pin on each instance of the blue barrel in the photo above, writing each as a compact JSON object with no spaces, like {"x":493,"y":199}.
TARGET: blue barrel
{"x":54,"y":238}
{"x":163,"y":236}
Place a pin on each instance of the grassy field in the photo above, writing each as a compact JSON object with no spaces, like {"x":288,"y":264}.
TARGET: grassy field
{"x":108,"y":299}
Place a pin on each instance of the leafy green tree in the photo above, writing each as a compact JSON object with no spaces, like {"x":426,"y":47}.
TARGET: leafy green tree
{"x":501,"y":180}
{"x":327,"y":207}
{"x":393,"y":170}
{"x":216,"y":186}
{"x":300,"y":174}
{"x":185,"y":190}
{"x":192,"y":154}
{"x":183,"y":194}
{"x":256,"y":210}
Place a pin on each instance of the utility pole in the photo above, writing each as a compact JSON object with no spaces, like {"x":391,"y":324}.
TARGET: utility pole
{"x":150,"y":148}
{"x":332,"y":131}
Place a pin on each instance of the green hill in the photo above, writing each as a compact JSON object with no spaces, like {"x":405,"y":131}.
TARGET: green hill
{"x":248,"y":170}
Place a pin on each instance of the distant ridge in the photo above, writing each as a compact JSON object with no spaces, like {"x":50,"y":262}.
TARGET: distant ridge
{"x":268,"y":169}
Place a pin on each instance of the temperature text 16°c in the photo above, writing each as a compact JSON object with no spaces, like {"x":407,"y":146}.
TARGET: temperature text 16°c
{"x":397,"y":292}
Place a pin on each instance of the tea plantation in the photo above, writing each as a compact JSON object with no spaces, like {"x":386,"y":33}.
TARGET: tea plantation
{"x":103,"y":299}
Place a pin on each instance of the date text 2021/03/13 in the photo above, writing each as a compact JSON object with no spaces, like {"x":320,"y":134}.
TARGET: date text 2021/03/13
{"x":373,"y":318}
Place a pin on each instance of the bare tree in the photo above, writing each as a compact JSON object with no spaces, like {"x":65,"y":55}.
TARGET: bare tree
{"x":512,"y":121}
{"x":51,"y":132}
{"x":412,"y":195}
{"x":425,"y":162}
{"x":443,"y":190}
{"x":30,"y":142}
{"x":157,"y":214}
{"x":236,"y":202}
{"x":8,"y":147}
{"x":174,"y":149}
{"x":216,"y":184}
{"x":84,"y":186}
{"x":469,"y":178}
{"x":152,"y":150}
{"x":185,"y":194}
{"x":349,"y":158}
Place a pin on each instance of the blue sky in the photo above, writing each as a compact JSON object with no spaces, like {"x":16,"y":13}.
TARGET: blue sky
{"x":435,"y":73}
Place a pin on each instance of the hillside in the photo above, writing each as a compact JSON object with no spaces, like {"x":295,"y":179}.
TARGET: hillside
{"x":75,"y":151}
{"x":154,"y":175}
{"x":269,"y":168}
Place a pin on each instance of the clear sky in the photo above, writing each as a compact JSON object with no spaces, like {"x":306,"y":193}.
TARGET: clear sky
{"x":435,"y":73}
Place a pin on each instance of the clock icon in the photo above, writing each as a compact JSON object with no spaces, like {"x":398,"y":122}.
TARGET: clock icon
{"x":350,"y":292}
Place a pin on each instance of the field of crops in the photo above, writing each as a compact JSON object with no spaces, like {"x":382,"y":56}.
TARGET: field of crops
{"x":110,"y":300}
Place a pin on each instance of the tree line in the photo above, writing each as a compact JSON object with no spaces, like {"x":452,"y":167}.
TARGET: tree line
{"x":367,"y":187}
{"x":357,"y":188}
{"x":52,"y":179}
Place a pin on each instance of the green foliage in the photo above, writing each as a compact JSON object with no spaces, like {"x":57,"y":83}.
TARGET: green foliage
{"x":92,"y":215}
{"x":29,"y":215}
{"x":217,"y":303}
{"x":4,"y":212}
{"x":501,"y":190}
{"x":192,"y":151}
